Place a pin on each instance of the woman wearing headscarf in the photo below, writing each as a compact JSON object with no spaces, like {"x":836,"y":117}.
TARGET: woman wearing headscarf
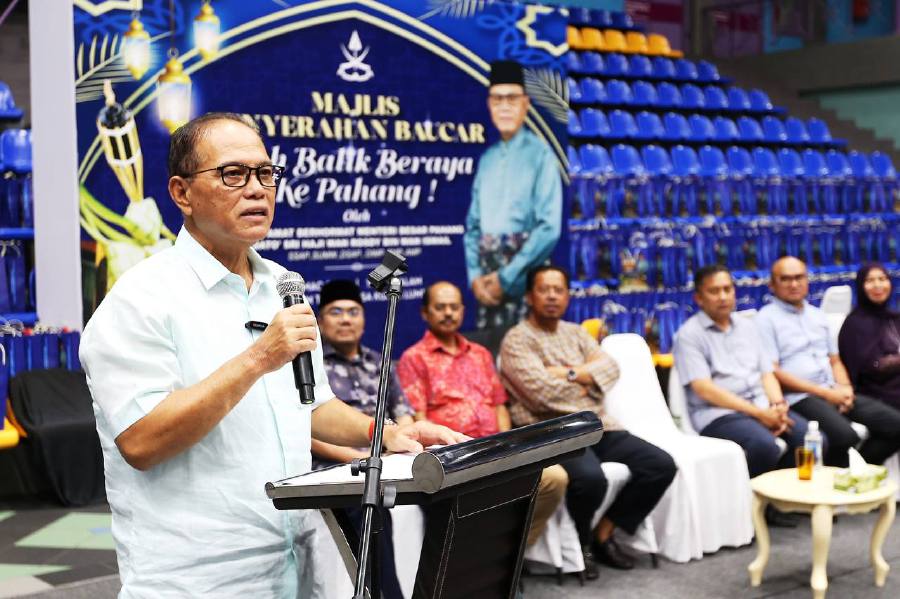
{"x":869,"y":341}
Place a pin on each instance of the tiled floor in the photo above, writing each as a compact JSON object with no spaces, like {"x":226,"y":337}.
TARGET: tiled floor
{"x":44,"y":547}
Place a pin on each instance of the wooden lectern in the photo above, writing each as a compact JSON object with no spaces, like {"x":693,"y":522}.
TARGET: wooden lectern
{"x":477,"y":498}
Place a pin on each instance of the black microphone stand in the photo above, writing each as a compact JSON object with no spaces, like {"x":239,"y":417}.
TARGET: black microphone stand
{"x":386,"y":279}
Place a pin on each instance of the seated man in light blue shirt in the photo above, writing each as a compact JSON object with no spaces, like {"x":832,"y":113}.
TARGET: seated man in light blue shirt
{"x":515,"y":217}
{"x":196,"y":408}
{"x":731,"y":391}
{"x":797,"y":341}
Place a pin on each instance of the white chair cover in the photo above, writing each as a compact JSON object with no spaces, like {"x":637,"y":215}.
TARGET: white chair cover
{"x":837,"y":299}
{"x":708,"y":504}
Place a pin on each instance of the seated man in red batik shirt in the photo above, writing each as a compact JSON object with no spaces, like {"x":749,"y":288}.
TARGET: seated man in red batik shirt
{"x":452,"y":381}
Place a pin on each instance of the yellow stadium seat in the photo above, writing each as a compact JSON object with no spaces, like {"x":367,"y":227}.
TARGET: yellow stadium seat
{"x":9,"y":436}
{"x":636,"y":42}
{"x":658,"y":45}
{"x":593,"y":39}
{"x":615,"y":41}
{"x":663,"y":360}
{"x":573,"y":36}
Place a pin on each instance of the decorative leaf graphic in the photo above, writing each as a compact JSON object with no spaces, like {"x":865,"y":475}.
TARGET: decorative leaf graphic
{"x":459,"y":9}
{"x":547,"y":89}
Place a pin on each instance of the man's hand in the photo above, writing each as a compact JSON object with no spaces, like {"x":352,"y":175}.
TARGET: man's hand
{"x":558,"y":372}
{"x":846,"y":397}
{"x":415,"y":437}
{"x":773,"y":418}
{"x":291,"y":332}
{"x":487,"y":290}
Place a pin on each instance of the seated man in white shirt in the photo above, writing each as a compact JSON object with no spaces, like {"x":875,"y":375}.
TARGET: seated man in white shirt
{"x":195,"y":410}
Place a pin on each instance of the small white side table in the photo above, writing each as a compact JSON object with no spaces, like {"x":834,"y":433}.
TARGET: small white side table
{"x":787,"y":493}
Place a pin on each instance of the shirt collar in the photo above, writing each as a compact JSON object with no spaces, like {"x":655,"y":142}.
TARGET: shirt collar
{"x":432,"y":344}
{"x":707,"y":322}
{"x":516,"y":140}
{"x":788,"y":307}
{"x":211,"y":271}
{"x":364,"y":353}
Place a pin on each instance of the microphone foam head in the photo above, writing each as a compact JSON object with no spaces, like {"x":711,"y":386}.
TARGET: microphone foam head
{"x":290,"y":283}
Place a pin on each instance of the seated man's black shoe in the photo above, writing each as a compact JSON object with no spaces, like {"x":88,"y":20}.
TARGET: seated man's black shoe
{"x":610,"y":554}
{"x":778,"y":519}
{"x":590,"y":568}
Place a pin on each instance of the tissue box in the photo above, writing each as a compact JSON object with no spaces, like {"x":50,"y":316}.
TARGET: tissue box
{"x":861,"y":481}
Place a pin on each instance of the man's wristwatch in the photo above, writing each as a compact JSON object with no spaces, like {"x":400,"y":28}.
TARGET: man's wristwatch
{"x":571,"y":376}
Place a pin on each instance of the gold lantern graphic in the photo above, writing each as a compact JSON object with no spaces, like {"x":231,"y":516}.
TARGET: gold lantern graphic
{"x":136,"y":49}
{"x":121,"y":146}
{"x":206,"y":31}
{"x":174,"y":97}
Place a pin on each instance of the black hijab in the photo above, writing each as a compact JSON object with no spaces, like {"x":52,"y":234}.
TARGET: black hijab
{"x":869,"y":331}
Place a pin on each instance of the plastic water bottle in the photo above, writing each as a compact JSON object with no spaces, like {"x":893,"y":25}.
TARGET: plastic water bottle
{"x":813,"y":442}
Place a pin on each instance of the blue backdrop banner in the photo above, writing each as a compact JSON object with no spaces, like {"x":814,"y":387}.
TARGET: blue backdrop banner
{"x":377,"y":111}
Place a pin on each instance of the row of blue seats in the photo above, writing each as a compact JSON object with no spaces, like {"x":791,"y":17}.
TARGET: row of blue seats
{"x":657,"y":315}
{"x":16,"y":191}
{"x":8,"y":109}
{"x":640,"y":66}
{"x":654,"y":182}
{"x":602,"y":19}
{"x":697,"y":128}
{"x":713,"y":98}
{"x":665,"y":254}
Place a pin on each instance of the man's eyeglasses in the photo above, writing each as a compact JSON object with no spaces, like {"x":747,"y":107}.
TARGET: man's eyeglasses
{"x":498,"y":99}
{"x":238,"y":175}
{"x":338,"y":312}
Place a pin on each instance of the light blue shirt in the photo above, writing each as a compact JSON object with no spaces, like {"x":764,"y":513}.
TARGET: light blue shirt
{"x":517,"y":189}
{"x":800,"y":341}
{"x":198,"y":524}
{"x":733,"y":359}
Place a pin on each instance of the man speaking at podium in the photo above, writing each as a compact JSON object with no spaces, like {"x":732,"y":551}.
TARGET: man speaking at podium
{"x":194,"y":395}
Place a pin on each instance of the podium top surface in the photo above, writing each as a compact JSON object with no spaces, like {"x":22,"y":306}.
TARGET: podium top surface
{"x":441,"y":468}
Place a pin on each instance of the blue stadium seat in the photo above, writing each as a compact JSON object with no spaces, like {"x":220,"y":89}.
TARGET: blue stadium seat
{"x":768,"y":175}
{"x":714,"y":171}
{"x":574,"y":161}
{"x":594,"y":182}
{"x":622,"y":125}
{"x":794,"y":174}
{"x":618,"y":92}
{"x":581,"y":17}
{"x":594,"y":123}
{"x":685,"y":169}
{"x":773,"y":130}
{"x":707,"y":72}
{"x":686,"y":70}
{"x":640,"y":67}
{"x":869,"y":185}
{"x":616,"y":65}
{"x":574,"y":127}
{"x":573,"y":63}
{"x":15,"y":148}
{"x":592,"y":91}
{"x":818,"y":131}
{"x":668,"y":95}
{"x":701,"y":128}
{"x":621,"y":20}
{"x":823,"y":191}
{"x":884,"y":169}
{"x":628,"y":164}
{"x":738,"y":100}
{"x":8,"y":108}
{"x":592,"y":63}
{"x":574,"y":90}
{"x":715,"y":98}
{"x":692,"y":97}
{"x":649,"y":126}
{"x":663,"y":68}
{"x":659,"y":168}
{"x":759,"y":101}
{"x":676,"y":126}
{"x":602,"y":19}
{"x":796,"y":131}
{"x":842,"y":173}
{"x":749,"y":129}
{"x":726,"y":130}
{"x":643,"y":94}
{"x":740,"y":167}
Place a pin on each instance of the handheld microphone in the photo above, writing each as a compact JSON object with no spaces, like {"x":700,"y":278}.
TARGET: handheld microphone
{"x":290,"y":287}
